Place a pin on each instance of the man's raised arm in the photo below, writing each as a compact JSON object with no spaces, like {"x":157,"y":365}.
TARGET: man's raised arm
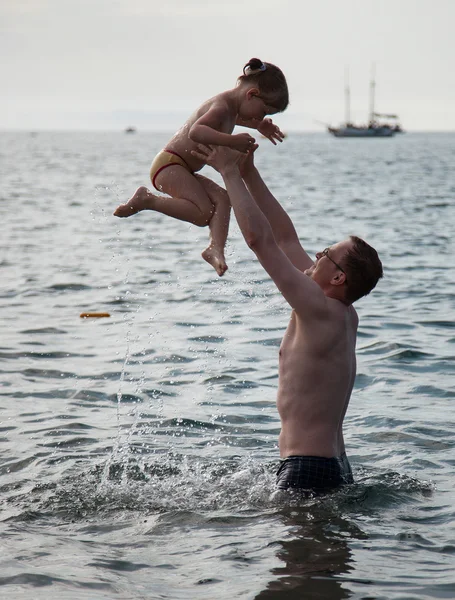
{"x":299,"y":290}
{"x":280,"y":222}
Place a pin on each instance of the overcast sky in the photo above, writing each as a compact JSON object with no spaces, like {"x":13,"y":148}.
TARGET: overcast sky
{"x":107,"y":64}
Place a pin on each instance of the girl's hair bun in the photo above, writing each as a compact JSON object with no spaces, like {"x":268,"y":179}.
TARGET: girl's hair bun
{"x":255,"y":65}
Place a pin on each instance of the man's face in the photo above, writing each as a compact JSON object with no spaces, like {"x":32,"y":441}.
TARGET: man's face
{"x":329,"y":263}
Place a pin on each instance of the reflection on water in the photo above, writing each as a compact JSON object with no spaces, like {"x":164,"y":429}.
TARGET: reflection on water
{"x":314,"y":554}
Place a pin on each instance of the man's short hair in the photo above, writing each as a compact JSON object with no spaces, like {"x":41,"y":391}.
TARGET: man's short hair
{"x":363,"y":269}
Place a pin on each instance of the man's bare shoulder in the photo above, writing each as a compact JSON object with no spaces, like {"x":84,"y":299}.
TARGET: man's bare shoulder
{"x":340,"y":311}
{"x":342,"y":319}
{"x":354,"y":318}
{"x":329,"y":332}
{"x":321,"y":310}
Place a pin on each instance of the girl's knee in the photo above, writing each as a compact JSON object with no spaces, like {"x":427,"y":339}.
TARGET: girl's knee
{"x":203,"y":219}
{"x":221,"y":197}
{"x":201,"y":222}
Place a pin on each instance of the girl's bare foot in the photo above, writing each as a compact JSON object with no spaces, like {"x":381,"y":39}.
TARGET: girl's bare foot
{"x":142,"y":200}
{"x":215,"y":258}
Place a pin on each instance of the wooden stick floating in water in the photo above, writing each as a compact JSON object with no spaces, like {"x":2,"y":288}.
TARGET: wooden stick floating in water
{"x":96,"y":315}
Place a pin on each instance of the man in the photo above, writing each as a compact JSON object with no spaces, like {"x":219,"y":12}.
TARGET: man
{"x":317,"y":364}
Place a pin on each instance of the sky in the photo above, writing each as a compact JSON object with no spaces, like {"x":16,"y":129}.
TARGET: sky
{"x":109,"y":64}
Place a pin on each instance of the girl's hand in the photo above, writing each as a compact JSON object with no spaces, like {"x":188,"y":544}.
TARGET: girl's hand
{"x":271,"y":131}
{"x":242,"y":142}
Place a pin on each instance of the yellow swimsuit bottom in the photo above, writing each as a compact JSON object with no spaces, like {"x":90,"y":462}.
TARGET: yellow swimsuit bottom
{"x":165,"y":158}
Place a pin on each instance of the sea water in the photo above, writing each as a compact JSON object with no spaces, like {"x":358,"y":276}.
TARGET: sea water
{"x":138,"y":452}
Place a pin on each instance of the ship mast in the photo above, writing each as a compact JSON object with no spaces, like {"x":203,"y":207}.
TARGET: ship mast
{"x":372,"y":91}
{"x":347,"y":97}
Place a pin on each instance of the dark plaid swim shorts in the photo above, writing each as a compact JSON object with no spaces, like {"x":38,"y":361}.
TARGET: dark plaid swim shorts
{"x":314,"y":472}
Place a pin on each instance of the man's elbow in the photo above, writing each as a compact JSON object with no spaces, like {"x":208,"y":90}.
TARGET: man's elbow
{"x":257,"y":240}
{"x":251,"y":240}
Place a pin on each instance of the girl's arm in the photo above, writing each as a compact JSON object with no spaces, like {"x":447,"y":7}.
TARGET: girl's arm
{"x":252,"y":123}
{"x":266,"y":127}
{"x":206,"y":131}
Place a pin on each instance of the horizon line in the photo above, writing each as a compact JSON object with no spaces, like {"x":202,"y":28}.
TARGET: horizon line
{"x":170,"y":130}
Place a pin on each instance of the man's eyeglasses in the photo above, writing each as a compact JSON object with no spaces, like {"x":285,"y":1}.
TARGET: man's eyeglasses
{"x":325,"y":252}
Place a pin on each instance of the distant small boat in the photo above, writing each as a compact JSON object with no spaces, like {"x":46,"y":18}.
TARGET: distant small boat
{"x":379,"y":124}
{"x":130,"y":130}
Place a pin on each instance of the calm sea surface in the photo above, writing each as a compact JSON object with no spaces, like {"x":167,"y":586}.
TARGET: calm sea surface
{"x":138,"y":452}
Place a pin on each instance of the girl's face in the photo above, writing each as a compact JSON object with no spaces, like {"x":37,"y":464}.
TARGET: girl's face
{"x":253,"y":107}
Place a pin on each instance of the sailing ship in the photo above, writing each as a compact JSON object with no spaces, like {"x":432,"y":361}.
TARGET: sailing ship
{"x":379,"y":124}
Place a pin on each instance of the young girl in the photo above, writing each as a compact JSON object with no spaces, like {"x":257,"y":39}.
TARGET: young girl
{"x":261,"y":90}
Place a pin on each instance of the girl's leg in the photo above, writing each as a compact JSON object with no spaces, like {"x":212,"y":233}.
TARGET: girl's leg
{"x":187,"y":200}
{"x":218,"y":225}
{"x":191,"y":198}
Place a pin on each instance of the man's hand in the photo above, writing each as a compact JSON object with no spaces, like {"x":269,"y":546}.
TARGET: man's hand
{"x":271,"y":131}
{"x":221,"y":158}
{"x":246,"y":163}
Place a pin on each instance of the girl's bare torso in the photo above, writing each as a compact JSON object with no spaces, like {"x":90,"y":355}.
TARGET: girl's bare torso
{"x":182,"y":144}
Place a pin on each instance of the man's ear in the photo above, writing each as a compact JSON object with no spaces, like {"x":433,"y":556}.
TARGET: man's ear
{"x":338,"y":279}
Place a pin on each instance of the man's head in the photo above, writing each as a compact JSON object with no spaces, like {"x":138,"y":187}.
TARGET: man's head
{"x":347,"y":270}
{"x":364,"y":269}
